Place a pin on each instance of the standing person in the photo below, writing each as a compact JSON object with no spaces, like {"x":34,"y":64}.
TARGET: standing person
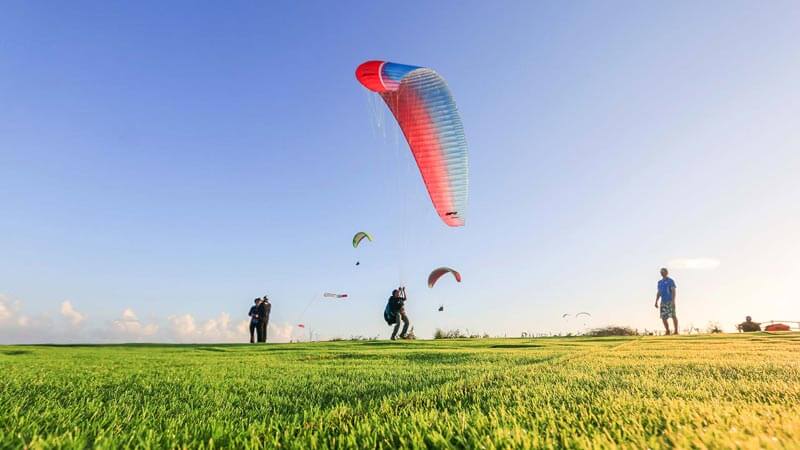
{"x":397,"y":307}
{"x":666,"y":292}
{"x":254,"y":321}
{"x":263,"y":316}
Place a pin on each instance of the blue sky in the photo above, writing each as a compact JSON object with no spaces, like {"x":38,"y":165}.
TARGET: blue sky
{"x":161,"y":164}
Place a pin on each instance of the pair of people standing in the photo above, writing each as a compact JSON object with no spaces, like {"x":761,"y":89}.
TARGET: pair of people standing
{"x":259,"y":319}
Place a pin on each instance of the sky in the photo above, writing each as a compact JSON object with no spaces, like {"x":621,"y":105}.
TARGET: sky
{"x":164,"y":163}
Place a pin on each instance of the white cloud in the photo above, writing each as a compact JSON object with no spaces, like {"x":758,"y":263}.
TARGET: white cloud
{"x":74,"y":326}
{"x":5,"y":310}
{"x":129,"y":326}
{"x":185,"y":328}
{"x":182,"y":326}
{"x":16,"y":327}
{"x":693,"y":263}
{"x":280,"y":333}
{"x":9,"y":310}
{"x":71,"y":314}
{"x":10,"y":315}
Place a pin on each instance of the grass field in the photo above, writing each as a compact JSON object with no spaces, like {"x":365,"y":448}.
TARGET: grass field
{"x":717,"y":391}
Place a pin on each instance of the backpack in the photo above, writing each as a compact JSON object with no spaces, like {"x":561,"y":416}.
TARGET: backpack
{"x":388,"y":315}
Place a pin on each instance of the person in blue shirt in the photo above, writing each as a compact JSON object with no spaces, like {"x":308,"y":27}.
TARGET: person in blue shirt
{"x":666,"y":293}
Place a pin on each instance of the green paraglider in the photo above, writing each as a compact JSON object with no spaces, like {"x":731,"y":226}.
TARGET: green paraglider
{"x":360,"y":236}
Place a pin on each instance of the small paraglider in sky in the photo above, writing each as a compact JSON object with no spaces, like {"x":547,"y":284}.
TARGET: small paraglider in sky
{"x":583,"y":314}
{"x":441,"y":271}
{"x":425,"y":110}
{"x":564,"y":316}
{"x":332,"y":295}
{"x":360,"y":236}
{"x":357,"y":238}
{"x":441,"y":308}
{"x":301,"y":325}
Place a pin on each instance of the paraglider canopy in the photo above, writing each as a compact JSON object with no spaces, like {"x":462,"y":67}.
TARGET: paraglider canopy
{"x":360,"y":236}
{"x":425,"y":110}
{"x":332,"y":295}
{"x":564,"y":316}
{"x":583,"y":314}
{"x":441,"y":271}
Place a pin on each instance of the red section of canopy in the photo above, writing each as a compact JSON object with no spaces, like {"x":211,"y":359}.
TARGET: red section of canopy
{"x":369,"y":74}
{"x":438,"y":273}
{"x":423,"y":138}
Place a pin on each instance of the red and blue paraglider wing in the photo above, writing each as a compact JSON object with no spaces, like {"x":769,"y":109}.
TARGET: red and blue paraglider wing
{"x":426,"y":112}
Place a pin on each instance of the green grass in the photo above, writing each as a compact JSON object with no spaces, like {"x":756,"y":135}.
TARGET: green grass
{"x":656,"y":392}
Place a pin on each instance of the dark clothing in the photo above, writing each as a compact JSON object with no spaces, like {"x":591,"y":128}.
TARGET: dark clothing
{"x":253,"y":314}
{"x":397,"y":313}
{"x":388,"y":315}
{"x":400,"y":315}
{"x":263,"y":320}
{"x":261,"y":331}
{"x":749,"y":326}
{"x":253,"y":328}
{"x":263,"y":310}
{"x":396,"y":303}
{"x":254,"y":323}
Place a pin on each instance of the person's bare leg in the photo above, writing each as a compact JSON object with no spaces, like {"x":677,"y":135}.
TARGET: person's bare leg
{"x":675,"y":322}
{"x":666,"y":325}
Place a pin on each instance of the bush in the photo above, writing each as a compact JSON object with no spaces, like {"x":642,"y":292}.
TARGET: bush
{"x":449,"y":334}
{"x":457,"y":334}
{"x":613,"y":330}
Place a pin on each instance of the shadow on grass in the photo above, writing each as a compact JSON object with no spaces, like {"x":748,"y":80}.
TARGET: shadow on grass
{"x":16,"y":352}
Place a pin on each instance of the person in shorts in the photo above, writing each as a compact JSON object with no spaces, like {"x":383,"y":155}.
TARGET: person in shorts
{"x":666,"y":293}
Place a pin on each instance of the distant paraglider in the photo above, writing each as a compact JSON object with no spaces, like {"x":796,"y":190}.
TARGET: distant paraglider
{"x":357,"y":238}
{"x":425,"y":110}
{"x":439,"y":273}
{"x":360,"y":236}
{"x":585,"y":314}
{"x":441,"y":308}
{"x":332,"y":295}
